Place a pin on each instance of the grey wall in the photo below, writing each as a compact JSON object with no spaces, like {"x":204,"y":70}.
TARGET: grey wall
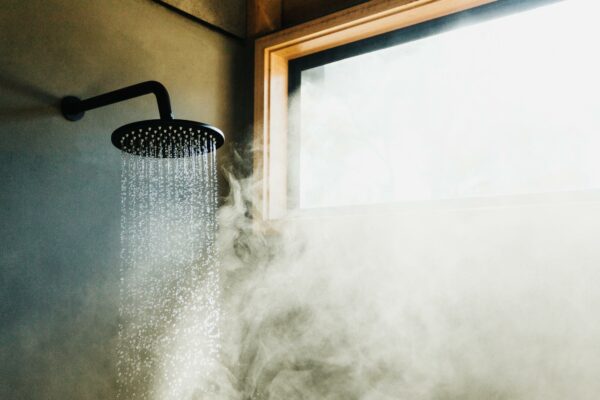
{"x":60,"y":181}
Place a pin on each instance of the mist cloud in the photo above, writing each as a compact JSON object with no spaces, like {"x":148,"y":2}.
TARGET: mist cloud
{"x":472,"y":303}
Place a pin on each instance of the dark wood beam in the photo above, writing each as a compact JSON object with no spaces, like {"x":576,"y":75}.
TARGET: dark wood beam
{"x":264,"y":16}
{"x":295,"y":12}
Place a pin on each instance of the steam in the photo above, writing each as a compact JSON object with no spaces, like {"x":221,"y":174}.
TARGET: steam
{"x":496,"y":303}
{"x":444,"y":300}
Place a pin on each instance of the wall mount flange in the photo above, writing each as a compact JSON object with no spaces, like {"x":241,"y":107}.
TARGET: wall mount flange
{"x":69,"y":106}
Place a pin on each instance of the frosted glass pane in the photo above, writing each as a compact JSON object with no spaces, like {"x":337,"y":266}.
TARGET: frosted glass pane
{"x":504,"y":107}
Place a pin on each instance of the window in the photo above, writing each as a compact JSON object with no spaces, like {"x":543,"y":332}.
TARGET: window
{"x":462,"y":107}
{"x":496,"y":100}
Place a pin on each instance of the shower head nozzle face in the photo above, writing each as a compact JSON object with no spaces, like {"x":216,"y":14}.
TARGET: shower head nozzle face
{"x":167,"y":138}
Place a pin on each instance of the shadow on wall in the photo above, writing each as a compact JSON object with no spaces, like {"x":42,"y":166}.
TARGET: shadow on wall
{"x":59,"y":220}
{"x":39,"y":103}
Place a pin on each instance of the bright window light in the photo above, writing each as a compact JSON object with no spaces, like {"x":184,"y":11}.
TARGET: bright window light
{"x":508,"y":106}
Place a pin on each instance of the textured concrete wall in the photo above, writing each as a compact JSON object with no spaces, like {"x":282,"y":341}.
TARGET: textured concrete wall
{"x":60,"y":181}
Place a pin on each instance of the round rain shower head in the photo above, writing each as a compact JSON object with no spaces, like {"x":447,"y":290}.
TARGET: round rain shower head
{"x":161,"y":138}
{"x":167,"y":138}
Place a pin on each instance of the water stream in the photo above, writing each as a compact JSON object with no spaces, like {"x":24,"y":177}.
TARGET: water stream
{"x":169,"y":309}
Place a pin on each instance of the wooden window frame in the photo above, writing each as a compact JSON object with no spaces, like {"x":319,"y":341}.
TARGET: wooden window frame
{"x":272,"y":55}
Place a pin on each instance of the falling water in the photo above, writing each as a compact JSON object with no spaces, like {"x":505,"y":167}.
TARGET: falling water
{"x":169,"y":329}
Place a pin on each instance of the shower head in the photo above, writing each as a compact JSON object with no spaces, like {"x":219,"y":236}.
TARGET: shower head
{"x":161,"y":138}
{"x":167,"y":138}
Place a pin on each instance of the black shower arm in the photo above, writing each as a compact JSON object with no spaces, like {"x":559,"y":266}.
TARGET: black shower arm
{"x":74,"y":108}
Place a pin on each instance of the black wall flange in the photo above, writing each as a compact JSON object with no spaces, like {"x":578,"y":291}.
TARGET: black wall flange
{"x":74,"y":109}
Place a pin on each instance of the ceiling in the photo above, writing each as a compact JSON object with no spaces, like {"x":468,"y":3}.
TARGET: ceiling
{"x":229,"y":15}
